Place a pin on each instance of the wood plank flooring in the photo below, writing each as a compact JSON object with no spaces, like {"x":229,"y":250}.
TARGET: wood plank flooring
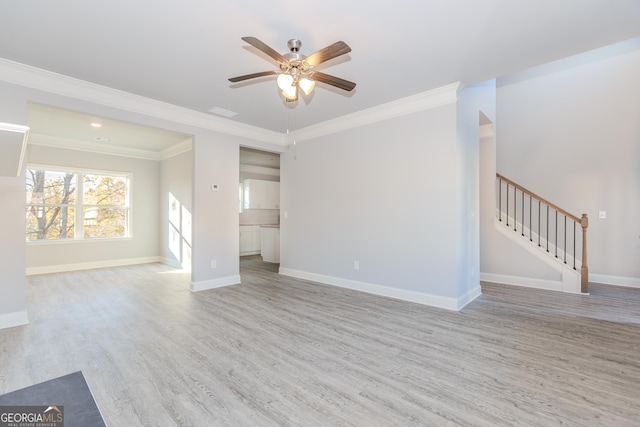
{"x":277,"y":351}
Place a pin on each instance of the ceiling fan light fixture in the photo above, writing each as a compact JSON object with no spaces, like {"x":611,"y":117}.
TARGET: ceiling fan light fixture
{"x":290,"y":93}
{"x":307,"y":85}
{"x":285,"y":81}
{"x":295,"y":69}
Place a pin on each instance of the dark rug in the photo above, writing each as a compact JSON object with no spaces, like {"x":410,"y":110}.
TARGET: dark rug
{"x":70,"y":391}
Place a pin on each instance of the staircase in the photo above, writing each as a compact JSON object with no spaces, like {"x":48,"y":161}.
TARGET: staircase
{"x":550,"y":233}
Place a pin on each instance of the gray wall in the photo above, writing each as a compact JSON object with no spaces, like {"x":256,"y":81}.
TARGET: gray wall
{"x":570,"y":132}
{"x":394,"y":196}
{"x":215,"y":214}
{"x":372,"y":194}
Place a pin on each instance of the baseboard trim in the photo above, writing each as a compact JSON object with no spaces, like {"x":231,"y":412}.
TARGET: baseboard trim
{"x":48,"y":269}
{"x":11,"y":320}
{"x":469,"y":297}
{"x":630,"y":282}
{"x":552,"y":285}
{"x":204,"y":285}
{"x":385,"y":291}
{"x":172,"y":262}
{"x":250,"y":253}
{"x":527,"y":282}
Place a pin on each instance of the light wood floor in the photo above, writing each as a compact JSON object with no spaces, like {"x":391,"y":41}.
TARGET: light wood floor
{"x":276,"y":351}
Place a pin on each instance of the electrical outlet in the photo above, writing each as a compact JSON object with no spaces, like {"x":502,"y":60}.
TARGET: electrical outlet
{"x":214,"y":264}
{"x":356,"y":265}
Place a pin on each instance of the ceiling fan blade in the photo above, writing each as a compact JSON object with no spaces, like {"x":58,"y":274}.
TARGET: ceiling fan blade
{"x":333,"y":81}
{"x":329,"y":52}
{"x":252,"y":76}
{"x":264,"y":48}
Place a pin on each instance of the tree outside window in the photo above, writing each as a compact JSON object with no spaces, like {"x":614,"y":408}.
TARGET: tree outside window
{"x":63,"y":204}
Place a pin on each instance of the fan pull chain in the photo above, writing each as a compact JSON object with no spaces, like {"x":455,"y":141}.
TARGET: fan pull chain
{"x":289,"y":127}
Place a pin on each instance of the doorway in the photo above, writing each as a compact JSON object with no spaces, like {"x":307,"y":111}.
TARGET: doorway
{"x":259,"y":206}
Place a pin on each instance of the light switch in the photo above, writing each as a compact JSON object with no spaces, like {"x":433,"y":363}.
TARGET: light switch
{"x":215,"y":187}
{"x":602,"y":214}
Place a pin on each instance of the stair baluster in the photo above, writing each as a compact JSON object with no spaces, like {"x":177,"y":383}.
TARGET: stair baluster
{"x":563,"y":254}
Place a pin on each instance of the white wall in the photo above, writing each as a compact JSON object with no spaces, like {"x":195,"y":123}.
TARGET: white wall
{"x":471,"y":101}
{"x":570,"y":132}
{"x":12,"y":283}
{"x":386,"y":195}
{"x":176,"y":209}
{"x":13,"y":308}
{"x":144,"y":244}
{"x":501,"y":260}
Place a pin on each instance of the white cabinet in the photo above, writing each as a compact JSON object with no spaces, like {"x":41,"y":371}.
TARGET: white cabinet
{"x":270,"y":244}
{"x":250,"y":239}
{"x":246,"y":240}
{"x":255,"y":194}
{"x":259,"y":194}
{"x":273,"y":195}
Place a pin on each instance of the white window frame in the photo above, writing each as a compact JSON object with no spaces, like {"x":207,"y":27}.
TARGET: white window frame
{"x":79,"y":205}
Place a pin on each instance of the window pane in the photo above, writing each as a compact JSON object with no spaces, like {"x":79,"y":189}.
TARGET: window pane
{"x":104,"y":190}
{"x":50,"y":222}
{"x":51,"y":187}
{"x":105,"y":222}
{"x":98,"y":205}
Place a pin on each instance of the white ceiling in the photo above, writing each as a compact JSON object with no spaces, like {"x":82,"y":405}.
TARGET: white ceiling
{"x":183,"y":52}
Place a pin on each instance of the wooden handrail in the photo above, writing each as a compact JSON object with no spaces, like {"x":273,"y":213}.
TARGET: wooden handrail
{"x":583,"y":221}
{"x":535,"y":196}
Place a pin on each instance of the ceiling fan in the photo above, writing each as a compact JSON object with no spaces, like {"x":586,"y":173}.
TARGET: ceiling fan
{"x":297,"y":70}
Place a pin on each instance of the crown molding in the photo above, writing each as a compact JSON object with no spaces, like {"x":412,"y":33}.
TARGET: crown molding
{"x":176,"y":149}
{"x":37,"y":78}
{"x":422,"y":101}
{"x":13,"y":138}
{"x":93,"y":147}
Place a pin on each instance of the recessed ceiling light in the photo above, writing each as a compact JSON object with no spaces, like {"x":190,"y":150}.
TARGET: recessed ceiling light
{"x":96,"y":125}
{"x":222,"y":112}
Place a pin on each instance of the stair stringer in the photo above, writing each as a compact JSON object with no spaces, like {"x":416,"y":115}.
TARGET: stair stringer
{"x":569,"y":278}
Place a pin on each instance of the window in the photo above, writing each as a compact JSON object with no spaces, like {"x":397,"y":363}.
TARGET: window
{"x":72,"y":204}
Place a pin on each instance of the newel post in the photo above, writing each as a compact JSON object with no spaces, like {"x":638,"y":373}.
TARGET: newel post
{"x":584,"y":270}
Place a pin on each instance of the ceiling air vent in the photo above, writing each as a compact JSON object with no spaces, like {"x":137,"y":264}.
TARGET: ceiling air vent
{"x":222,"y":112}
